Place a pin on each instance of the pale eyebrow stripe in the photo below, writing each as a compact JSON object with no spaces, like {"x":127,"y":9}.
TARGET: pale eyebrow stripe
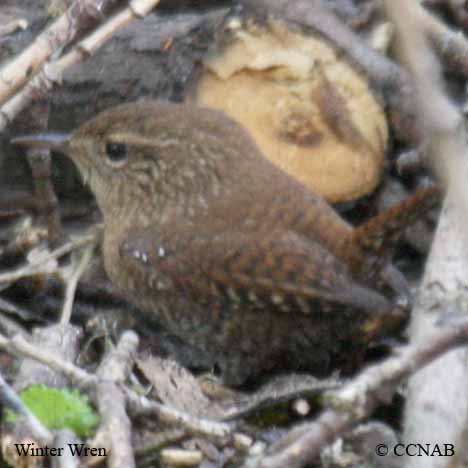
{"x":133,"y":139}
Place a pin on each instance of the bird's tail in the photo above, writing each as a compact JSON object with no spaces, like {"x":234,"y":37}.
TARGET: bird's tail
{"x":375,"y":241}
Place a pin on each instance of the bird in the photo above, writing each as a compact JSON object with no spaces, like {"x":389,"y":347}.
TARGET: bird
{"x":225,"y":249}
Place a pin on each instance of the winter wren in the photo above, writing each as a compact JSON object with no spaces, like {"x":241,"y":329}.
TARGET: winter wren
{"x":232,"y":254}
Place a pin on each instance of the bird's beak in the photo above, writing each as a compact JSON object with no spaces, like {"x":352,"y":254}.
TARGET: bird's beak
{"x":52,"y":141}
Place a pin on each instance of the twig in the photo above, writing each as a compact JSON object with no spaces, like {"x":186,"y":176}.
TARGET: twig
{"x":61,"y":32}
{"x":62,"y":439}
{"x":115,"y":429}
{"x":160,"y":440}
{"x":12,"y":26}
{"x":73,"y":282}
{"x":356,"y":400}
{"x":11,"y":400}
{"x":62,"y":340}
{"x":138,"y":403}
{"x":20,"y":346}
{"x":41,"y":168}
{"x":435,"y":408}
{"x":278,"y":390}
{"x":51,"y":72}
{"x":13,"y":309}
{"x":440,"y":120}
{"x":38,"y":267}
{"x":179,"y":457}
{"x":451,"y":45}
{"x":456,"y":7}
{"x":143,"y":406}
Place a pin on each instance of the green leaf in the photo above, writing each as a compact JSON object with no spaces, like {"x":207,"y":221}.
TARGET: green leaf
{"x":59,"y":408}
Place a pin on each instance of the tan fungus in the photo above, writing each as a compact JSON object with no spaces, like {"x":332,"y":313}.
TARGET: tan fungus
{"x":309,"y":110}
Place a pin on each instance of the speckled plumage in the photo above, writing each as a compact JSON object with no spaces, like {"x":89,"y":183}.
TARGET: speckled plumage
{"x":229,"y":252}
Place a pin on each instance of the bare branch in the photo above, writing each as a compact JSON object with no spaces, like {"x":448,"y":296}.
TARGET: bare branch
{"x":60,"y":33}
{"x":11,"y":400}
{"x":73,"y":282}
{"x":436,"y":408}
{"x":356,"y":400}
{"x":115,"y":429}
{"x":51,"y":72}
{"x":41,"y":265}
{"x":138,"y":403}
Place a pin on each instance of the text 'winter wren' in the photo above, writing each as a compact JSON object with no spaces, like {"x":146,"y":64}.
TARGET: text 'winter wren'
{"x":230,"y":253}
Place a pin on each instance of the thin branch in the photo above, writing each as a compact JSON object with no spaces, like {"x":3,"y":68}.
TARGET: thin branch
{"x":41,"y":169}
{"x":143,"y":406}
{"x":41,"y":265}
{"x":180,"y":457}
{"x":451,"y":45}
{"x":64,"y":438}
{"x":12,"y":26}
{"x":440,"y":120}
{"x":138,"y":403}
{"x":356,"y":400}
{"x":115,"y":429}
{"x":73,"y":282}
{"x":60,"y":33}
{"x":51,"y":73}
{"x":18,"y":345}
{"x":436,"y":407}
{"x":12,"y":401}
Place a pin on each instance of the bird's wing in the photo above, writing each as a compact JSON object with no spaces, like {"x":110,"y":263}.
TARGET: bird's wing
{"x":284,"y":272}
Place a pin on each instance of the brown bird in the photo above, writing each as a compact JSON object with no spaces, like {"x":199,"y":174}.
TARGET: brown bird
{"x":232,"y":255}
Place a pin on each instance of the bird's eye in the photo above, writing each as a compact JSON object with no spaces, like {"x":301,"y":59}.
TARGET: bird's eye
{"x":116,"y":152}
